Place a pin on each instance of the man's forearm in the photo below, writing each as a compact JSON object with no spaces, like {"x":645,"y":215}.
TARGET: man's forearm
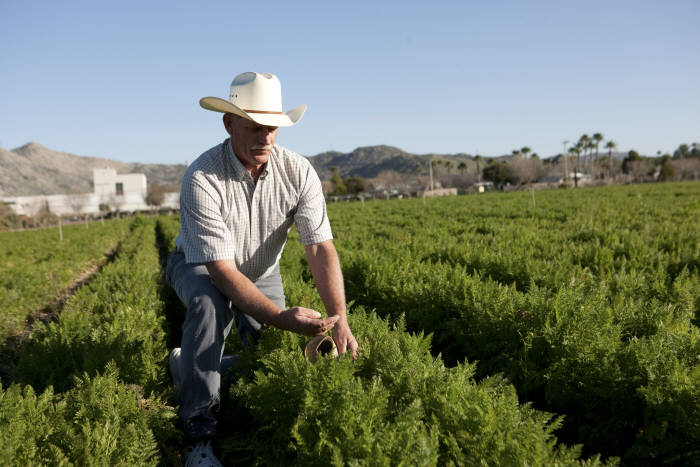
{"x":244,"y":295}
{"x":325,"y":268}
{"x":247,"y":298}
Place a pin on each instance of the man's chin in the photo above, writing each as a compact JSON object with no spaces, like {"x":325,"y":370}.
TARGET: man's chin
{"x":260,"y":156}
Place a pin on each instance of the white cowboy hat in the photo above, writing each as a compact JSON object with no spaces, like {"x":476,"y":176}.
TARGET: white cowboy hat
{"x":257,"y":97}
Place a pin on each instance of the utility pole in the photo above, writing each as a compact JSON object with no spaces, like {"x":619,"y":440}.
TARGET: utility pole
{"x":566,"y":163}
{"x":430,"y":165}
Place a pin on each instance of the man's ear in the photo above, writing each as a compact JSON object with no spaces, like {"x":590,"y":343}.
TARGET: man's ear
{"x":228,"y":122}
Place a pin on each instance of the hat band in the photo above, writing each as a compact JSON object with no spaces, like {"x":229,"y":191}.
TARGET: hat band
{"x":261,"y":112}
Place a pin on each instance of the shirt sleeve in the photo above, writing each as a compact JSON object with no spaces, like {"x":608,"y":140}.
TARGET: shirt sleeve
{"x":311,"y":217}
{"x":205,"y":235}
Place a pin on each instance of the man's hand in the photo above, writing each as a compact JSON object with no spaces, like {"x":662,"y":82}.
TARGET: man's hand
{"x":303,"y":321}
{"x":344,"y":340}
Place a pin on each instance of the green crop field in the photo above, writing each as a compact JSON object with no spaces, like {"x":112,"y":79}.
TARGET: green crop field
{"x":35,"y":267}
{"x":493,"y":331}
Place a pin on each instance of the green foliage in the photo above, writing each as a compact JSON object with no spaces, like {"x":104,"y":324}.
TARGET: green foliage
{"x":355,"y":184}
{"x":585,"y":307}
{"x":36,"y":267}
{"x":396,"y":404}
{"x":338,"y":185}
{"x":632,"y":156}
{"x":496,"y":172}
{"x":557,"y":299}
{"x":100,"y":421}
{"x":667,"y":171}
{"x":98,"y":323}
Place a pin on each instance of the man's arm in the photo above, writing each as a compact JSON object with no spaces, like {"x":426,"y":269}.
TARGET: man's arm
{"x":248,"y":298}
{"x":325,"y":267}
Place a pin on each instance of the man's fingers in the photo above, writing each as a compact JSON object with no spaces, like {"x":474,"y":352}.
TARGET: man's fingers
{"x":309,"y":313}
{"x":327,"y":324}
{"x":352,"y":345}
{"x":349,"y":345}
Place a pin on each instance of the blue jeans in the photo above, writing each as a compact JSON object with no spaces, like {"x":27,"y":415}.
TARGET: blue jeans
{"x":208,"y":321}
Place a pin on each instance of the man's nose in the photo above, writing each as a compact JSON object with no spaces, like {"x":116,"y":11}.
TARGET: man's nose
{"x":266,"y":136}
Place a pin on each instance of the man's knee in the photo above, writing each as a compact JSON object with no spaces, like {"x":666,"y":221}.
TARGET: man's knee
{"x":210,"y":307}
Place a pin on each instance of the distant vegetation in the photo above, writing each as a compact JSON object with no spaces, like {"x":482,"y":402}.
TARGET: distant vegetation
{"x":589,"y":161}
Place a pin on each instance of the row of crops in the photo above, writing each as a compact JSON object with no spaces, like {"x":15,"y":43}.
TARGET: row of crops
{"x":90,"y":388}
{"x":491,"y":332}
{"x":37,"y":267}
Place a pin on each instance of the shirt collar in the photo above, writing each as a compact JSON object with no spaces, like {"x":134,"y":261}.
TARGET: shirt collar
{"x":239,"y":172}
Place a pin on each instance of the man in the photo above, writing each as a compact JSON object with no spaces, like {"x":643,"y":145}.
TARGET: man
{"x":237,"y":204}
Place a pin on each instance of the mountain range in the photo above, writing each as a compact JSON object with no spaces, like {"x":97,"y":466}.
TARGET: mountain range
{"x":34,"y":169}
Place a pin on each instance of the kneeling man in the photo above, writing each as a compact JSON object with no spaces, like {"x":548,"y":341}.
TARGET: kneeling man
{"x":238,"y":201}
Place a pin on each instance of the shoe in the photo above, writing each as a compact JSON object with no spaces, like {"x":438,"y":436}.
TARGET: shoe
{"x":174,"y":361}
{"x":320,"y":345}
{"x":201,"y":455}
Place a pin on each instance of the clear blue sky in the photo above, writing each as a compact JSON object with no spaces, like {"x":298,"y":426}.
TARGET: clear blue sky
{"x":122,"y":79}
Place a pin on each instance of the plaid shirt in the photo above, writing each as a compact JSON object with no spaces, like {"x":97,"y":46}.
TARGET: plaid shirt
{"x":224,"y":214}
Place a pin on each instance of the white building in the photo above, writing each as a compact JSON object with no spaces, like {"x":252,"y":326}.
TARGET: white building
{"x":106,"y":182}
{"x":125,"y":193}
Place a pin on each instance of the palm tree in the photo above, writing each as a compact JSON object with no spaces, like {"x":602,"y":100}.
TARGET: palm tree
{"x":566,"y":161}
{"x":597,"y":138}
{"x":462,"y":167}
{"x":583,"y":142}
{"x":478,"y":160}
{"x":577,"y":150}
{"x":449,"y":165}
{"x":525,"y":151}
{"x":610,"y":145}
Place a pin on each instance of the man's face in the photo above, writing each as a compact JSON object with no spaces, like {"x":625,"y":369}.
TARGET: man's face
{"x":251,"y":141}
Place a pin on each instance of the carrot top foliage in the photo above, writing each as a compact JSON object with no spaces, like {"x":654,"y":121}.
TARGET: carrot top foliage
{"x":491,"y":332}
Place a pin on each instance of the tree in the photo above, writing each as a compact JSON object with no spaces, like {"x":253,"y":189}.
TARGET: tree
{"x":576,"y":149}
{"x":597,"y":138}
{"x":155,"y":196}
{"x":525,"y":151}
{"x":521,"y":171}
{"x":77,"y":202}
{"x":682,"y":152}
{"x":632,"y":156}
{"x":462,"y":167}
{"x":44,"y":217}
{"x":478,"y":160}
{"x":338,"y":185}
{"x":434,"y":164}
{"x":8,"y":218}
{"x":583,"y":145}
{"x":496,"y":172}
{"x":355,"y":185}
{"x":610,"y":145}
{"x":667,"y":171}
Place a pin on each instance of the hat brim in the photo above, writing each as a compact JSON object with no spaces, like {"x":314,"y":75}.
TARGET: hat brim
{"x":288,"y":118}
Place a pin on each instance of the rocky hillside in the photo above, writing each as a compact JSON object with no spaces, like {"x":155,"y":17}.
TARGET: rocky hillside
{"x":370,"y":161}
{"x":33,"y":169}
